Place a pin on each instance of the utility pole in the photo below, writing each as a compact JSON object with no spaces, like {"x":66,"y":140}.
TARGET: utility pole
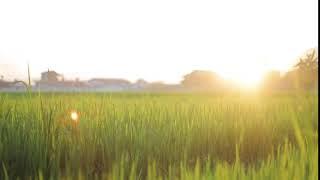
{"x":29,"y":78}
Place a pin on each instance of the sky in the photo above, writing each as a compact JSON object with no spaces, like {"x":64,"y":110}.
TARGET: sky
{"x":155,"y":40}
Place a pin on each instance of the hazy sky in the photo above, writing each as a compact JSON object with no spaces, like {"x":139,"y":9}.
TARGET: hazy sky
{"x":155,"y":40}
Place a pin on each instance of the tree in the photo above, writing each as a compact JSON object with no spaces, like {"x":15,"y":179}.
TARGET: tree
{"x":306,"y":70}
{"x":202,"y":80}
{"x":309,"y":61}
{"x":304,"y":75}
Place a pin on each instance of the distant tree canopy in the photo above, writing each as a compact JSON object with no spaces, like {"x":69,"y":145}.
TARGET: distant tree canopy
{"x":306,"y":70}
{"x":304,"y":75}
{"x":202,"y":80}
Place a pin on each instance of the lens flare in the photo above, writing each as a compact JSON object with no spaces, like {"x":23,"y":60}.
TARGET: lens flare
{"x":74,"y":116}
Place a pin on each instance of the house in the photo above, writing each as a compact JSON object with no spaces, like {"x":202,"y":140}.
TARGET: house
{"x":51,"y":80}
{"x":109,"y":84}
{"x":163,"y":87}
{"x":140,"y":84}
{"x":50,"y":76}
{"x":4,"y":84}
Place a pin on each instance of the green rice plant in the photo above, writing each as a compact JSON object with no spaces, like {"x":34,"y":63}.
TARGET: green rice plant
{"x":158,"y":136}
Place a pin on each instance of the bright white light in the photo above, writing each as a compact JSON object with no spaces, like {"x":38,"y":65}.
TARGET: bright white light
{"x":155,"y":40}
{"x":249,"y":77}
{"x":74,"y":116}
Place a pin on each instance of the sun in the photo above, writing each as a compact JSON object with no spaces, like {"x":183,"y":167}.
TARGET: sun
{"x":245,"y":78}
{"x":248,"y":79}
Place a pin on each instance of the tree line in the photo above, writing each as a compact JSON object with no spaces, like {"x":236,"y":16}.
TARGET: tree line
{"x":302,"y":76}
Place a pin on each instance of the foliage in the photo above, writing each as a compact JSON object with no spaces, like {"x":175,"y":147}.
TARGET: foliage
{"x":200,"y":79}
{"x":307,"y":69}
{"x":304,"y":74}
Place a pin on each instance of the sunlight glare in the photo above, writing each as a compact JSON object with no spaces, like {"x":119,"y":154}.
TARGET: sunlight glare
{"x":246,"y":78}
{"x":74,"y":116}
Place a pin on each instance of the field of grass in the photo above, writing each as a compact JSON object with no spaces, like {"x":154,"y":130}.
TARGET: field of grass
{"x":158,"y":136}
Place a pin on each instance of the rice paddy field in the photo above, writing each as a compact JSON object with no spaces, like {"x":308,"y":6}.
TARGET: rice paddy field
{"x":158,"y":136}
